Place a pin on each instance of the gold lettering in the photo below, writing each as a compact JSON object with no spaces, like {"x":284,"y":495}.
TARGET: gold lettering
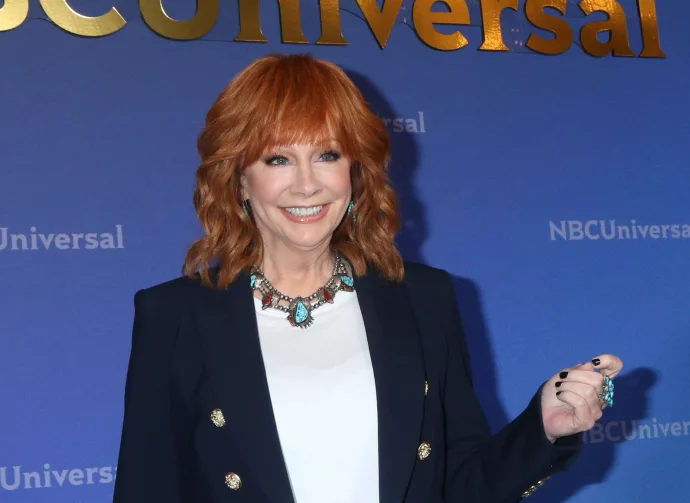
{"x":71,"y":21}
{"x":290,"y":22}
{"x":618,"y":43}
{"x":13,"y":13}
{"x":250,"y":23}
{"x":651,"y":47}
{"x":331,"y":30}
{"x":424,"y":19}
{"x":381,"y":21}
{"x":158,"y":20}
{"x":563,"y":33}
{"x":491,"y":20}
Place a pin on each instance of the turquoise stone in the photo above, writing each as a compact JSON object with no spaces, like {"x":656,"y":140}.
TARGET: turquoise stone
{"x":301,"y":312}
{"x":347,"y":280}
{"x":608,"y":384}
{"x":252,"y":280}
{"x":608,"y":391}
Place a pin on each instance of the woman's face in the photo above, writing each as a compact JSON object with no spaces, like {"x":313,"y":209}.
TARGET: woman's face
{"x":298,"y":195}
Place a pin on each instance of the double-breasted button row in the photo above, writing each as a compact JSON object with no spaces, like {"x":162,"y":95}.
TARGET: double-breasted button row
{"x":232,"y":480}
{"x":424,"y":449}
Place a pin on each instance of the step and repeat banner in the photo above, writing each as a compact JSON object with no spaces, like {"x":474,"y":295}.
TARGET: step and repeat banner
{"x":540,"y":152}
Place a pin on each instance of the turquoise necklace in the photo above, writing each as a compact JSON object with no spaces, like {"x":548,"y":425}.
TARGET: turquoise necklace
{"x":299,"y":309}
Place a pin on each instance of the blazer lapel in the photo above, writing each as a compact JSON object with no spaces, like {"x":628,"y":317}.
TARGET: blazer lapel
{"x":398,"y":363}
{"x":229,"y":332}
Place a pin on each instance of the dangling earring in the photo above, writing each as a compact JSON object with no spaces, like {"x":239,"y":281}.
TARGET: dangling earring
{"x":349,"y":210}
{"x":245,"y":207}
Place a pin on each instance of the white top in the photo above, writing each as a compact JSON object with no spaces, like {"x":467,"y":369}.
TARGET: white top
{"x":322,"y":389}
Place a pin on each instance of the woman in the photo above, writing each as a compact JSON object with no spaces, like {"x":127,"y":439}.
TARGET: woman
{"x":311,"y":365}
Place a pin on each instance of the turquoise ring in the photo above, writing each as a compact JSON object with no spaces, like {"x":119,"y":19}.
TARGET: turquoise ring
{"x":606,"y":396}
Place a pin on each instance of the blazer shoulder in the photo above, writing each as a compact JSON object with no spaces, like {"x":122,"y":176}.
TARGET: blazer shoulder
{"x":168,"y":294}
{"x":417,"y":274}
{"x":160,"y":310}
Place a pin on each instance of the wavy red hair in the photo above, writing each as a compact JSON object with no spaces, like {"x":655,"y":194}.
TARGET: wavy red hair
{"x":281,"y":100}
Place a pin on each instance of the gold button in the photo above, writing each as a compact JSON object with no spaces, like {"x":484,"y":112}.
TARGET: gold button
{"x":426,"y":388}
{"x":233,"y":481}
{"x":424,"y":450}
{"x":218,"y":418}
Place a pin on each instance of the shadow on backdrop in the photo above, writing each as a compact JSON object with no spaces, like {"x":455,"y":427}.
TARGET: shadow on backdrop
{"x":404,"y":165}
{"x":598,"y":454}
{"x":413,"y":233}
{"x":481,"y":352}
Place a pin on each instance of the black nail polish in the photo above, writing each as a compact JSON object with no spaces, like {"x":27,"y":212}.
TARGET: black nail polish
{"x":558,"y":393}
{"x":563,"y":375}
{"x":596,"y":362}
{"x":558,"y":384}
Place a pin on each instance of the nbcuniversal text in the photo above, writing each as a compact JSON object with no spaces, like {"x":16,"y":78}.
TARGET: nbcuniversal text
{"x":607,"y":230}
{"x":38,"y":240}
{"x":13,"y":478}
{"x":597,"y":37}
{"x":619,"y":431}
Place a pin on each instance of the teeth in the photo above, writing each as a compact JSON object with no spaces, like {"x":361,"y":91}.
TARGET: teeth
{"x":304,"y":212}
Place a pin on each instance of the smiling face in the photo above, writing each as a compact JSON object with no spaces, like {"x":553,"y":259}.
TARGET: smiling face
{"x":298,"y":195}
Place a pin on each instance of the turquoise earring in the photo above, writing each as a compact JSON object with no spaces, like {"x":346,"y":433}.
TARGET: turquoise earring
{"x":349,"y":210}
{"x":245,"y":206}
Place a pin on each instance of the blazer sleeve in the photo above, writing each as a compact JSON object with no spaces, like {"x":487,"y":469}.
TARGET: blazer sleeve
{"x":480,"y":467}
{"x":148,"y":464}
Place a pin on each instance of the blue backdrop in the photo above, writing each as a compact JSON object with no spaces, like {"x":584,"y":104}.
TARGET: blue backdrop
{"x":554,"y":188}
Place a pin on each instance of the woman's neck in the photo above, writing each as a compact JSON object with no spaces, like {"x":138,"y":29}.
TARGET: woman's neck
{"x":298,"y":273}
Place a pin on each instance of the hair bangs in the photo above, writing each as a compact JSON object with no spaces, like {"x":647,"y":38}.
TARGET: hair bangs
{"x":304,"y":107}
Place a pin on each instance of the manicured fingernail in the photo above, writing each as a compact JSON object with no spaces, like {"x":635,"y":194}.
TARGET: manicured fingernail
{"x":558,"y":393}
{"x":596,"y":362}
{"x":558,"y":384}
{"x":563,"y":375}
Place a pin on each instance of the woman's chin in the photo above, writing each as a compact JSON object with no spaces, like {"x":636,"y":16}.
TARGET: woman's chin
{"x":308,"y":240}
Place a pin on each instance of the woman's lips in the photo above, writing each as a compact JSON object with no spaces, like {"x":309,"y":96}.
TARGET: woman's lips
{"x":306,"y":219}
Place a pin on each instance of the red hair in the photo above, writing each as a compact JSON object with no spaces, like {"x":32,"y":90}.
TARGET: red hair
{"x":281,"y":100}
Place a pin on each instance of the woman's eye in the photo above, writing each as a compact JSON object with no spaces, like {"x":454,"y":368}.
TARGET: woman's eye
{"x":277,"y":160}
{"x":330,"y":156}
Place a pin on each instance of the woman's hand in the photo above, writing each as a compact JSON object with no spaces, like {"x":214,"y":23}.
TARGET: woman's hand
{"x":570,"y":400}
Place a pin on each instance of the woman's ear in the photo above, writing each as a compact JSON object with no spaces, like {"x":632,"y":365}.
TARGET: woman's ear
{"x":243,"y":187}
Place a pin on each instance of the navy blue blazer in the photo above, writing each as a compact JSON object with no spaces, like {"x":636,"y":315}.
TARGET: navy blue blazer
{"x":196,"y":349}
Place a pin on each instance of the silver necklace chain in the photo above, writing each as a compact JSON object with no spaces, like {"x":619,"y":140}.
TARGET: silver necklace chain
{"x":299,"y":309}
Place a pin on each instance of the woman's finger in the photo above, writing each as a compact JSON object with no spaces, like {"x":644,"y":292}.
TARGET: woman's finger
{"x":583,"y":414}
{"x":584,"y":366}
{"x":608,"y":365}
{"x":595,"y":379}
{"x":586,"y":391}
